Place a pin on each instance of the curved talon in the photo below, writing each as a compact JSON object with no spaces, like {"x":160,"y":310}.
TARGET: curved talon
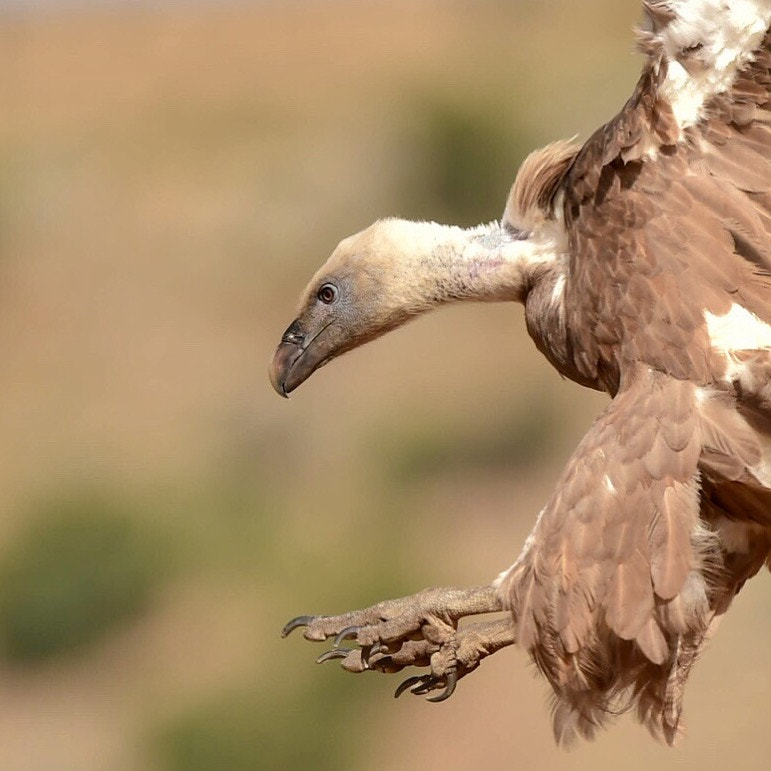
{"x":335,"y":653}
{"x":406,"y":684}
{"x":349,"y":631}
{"x":452,"y":682}
{"x":297,"y":622}
{"x":429,"y":681}
{"x":376,"y":648}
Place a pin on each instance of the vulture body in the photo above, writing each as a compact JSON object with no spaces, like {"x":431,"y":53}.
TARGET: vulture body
{"x":643,"y":259}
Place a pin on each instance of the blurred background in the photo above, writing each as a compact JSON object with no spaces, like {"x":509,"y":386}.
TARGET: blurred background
{"x":170,"y":176}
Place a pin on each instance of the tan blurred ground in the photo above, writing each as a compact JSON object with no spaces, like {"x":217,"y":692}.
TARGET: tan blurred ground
{"x":168,"y":180}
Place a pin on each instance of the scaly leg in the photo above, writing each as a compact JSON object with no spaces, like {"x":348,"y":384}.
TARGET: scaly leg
{"x":421,"y":630}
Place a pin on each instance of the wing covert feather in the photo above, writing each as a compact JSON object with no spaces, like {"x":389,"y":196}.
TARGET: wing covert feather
{"x":665,"y":224}
{"x":603,"y":587}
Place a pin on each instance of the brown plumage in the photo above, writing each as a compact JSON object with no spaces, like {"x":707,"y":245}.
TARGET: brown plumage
{"x":643,"y":259}
{"x":538,"y":179}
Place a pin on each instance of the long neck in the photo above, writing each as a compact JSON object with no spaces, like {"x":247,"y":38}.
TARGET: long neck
{"x":486,"y":263}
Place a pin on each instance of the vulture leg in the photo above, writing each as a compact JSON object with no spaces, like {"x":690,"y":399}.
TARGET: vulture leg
{"x":421,"y":630}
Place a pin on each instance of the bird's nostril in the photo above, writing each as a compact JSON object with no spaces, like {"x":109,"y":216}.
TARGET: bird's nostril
{"x":293,"y":334}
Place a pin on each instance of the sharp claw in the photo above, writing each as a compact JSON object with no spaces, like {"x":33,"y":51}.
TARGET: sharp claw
{"x":407,"y":684}
{"x":429,"y":681}
{"x":335,"y":653}
{"x":376,"y":648}
{"x":296,"y":622}
{"x":349,"y":631}
{"x":452,"y":682}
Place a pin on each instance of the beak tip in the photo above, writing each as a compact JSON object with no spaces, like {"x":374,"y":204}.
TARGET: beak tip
{"x":279,"y":386}
{"x":280,"y":368}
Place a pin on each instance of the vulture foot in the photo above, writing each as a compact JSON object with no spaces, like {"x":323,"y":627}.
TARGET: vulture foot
{"x":420,"y":631}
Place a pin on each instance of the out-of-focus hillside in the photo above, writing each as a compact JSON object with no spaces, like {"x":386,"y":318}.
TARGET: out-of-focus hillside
{"x":168,"y":182}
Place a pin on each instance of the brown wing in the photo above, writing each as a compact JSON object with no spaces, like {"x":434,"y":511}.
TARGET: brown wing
{"x":623,"y":577}
{"x":611,"y":574}
{"x":664,"y":225}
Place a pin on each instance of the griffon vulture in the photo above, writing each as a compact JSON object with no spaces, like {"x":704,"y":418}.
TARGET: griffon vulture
{"x":643,"y":260}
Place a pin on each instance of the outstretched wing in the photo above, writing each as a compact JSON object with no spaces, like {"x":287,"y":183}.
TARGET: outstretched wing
{"x":611,"y":572}
{"x":620,"y":580}
{"x":668,"y":216}
{"x":668,"y":206}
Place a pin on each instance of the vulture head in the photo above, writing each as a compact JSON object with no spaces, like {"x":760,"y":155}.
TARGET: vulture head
{"x":395,"y":270}
{"x":360,"y":293}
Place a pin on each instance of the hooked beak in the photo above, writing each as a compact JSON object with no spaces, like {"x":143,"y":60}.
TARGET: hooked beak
{"x":297,"y":358}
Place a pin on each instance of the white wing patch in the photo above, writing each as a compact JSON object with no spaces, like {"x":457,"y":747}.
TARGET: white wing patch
{"x":737,"y":330}
{"x":705,"y":46}
{"x":740,"y":330}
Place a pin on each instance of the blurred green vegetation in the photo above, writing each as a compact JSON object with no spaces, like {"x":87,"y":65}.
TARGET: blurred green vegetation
{"x":84,"y":567}
{"x":421,"y":449}
{"x":298,"y":725}
{"x":464,"y":153}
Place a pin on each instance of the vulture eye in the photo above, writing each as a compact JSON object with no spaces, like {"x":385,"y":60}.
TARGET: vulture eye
{"x":327,"y":294}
